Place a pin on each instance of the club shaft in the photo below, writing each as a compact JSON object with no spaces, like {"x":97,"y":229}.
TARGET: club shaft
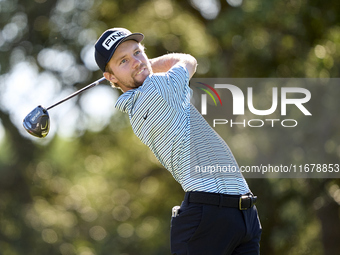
{"x":77,"y":92}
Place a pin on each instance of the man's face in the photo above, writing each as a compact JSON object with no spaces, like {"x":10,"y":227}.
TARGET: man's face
{"x":130,"y":66}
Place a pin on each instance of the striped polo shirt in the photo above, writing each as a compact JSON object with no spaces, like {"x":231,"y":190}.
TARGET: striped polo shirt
{"x":163,"y":118}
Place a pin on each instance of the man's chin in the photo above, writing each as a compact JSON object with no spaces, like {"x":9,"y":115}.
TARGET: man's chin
{"x":140,"y":80}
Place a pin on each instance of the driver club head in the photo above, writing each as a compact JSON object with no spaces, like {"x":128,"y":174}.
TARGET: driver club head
{"x":37,"y":122}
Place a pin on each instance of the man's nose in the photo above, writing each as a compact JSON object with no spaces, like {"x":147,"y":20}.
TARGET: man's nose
{"x":136,"y":62}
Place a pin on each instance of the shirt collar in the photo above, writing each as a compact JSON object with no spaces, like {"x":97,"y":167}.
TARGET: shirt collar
{"x":126,"y":101}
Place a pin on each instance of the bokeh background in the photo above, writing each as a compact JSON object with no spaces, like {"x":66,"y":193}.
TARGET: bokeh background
{"x":91,"y":187}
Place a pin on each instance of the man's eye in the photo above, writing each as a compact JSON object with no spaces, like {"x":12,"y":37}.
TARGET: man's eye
{"x":137,"y":52}
{"x":123,"y":61}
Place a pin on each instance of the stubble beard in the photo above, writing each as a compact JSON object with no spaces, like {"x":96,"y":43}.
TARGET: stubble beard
{"x":136,"y":83}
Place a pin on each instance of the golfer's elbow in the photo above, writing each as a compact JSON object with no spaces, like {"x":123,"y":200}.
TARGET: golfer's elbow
{"x":191,"y":64}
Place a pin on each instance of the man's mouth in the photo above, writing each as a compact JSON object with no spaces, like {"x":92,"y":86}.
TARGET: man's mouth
{"x":140,"y":71}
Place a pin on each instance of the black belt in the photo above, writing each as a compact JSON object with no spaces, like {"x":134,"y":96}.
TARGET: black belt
{"x":242,"y":202}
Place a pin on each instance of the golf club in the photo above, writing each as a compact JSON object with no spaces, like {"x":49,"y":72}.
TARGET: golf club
{"x":37,"y":122}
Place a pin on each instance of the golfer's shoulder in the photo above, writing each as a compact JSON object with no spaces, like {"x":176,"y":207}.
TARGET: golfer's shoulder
{"x":179,"y":70}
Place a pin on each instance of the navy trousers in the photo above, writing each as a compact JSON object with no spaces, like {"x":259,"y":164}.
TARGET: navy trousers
{"x":201,"y":229}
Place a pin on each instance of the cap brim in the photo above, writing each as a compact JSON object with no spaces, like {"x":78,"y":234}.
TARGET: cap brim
{"x":138,"y":37}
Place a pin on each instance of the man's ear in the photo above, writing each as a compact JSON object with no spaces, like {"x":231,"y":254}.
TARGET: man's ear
{"x":110,"y":77}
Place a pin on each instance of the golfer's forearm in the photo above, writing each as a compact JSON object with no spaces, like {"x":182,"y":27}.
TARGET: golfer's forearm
{"x":165,"y":62}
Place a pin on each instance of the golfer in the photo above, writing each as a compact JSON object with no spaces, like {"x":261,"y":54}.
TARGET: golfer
{"x":217,"y":215}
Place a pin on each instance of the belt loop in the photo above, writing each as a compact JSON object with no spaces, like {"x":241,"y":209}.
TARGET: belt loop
{"x":221,"y":200}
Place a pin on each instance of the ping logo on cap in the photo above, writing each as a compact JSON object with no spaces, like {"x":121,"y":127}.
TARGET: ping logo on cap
{"x":112,"y":38}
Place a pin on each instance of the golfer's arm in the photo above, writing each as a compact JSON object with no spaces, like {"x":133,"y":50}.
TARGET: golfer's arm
{"x":165,"y":62}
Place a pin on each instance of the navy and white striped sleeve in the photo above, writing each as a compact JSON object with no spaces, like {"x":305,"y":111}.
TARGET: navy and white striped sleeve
{"x":174,"y":86}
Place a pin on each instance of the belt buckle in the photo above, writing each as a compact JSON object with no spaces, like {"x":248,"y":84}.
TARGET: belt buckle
{"x":240,"y":202}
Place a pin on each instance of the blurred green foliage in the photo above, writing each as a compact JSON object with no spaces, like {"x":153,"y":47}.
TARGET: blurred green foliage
{"x":104,"y":192}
